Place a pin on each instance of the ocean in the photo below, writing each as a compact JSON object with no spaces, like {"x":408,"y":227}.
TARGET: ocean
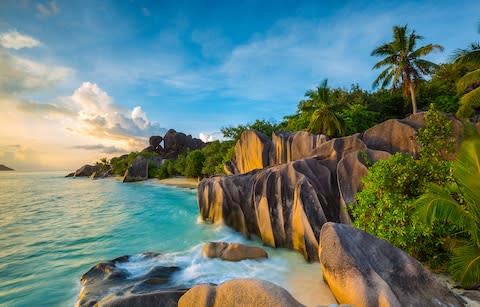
{"x":54,"y":229}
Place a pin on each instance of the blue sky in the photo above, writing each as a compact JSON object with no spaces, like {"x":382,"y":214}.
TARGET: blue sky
{"x":189,"y":65}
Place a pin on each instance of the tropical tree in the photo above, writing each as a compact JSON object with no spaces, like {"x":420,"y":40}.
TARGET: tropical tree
{"x":324,"y":118}
{"x":471,"y":54}
{"x":459,"y":204}
{"x":469,"y":87}
{"x":404,"y":66}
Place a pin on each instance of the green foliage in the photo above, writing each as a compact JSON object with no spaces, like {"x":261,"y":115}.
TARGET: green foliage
{"x":180,"y":164}
{"x":459,"y":204}
{"x":120,"y":164}
{"x":266,"y":127}
{"x":358,"y":118}
{"x":470,"y":100}
{"x":216,"y":154}
{"x":385,"y":206}
{"x":324,"y":111}
{"x":103,"y":165}
{"x":194,"y":163}
{"x":404,"y":66}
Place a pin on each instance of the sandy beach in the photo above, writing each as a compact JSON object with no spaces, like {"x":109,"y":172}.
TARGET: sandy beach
{"x":182,"y":182}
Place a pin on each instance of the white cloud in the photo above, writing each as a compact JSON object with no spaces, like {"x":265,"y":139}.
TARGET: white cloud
{"x":99,"y":116}
{"x":15,"y":40}
{"x":210,"y":136}
{"x":101,"y":148}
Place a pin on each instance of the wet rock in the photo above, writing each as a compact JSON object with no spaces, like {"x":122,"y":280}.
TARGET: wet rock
{"x":232,"y":251}
{"x":108,"y":284}
{"x":363,"y":270}
{"x":285,"y":205}
{"x":239,"y":292}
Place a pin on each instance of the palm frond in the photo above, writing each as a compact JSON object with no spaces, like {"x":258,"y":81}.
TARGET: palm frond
{"x":390,"y":60}
{"x":468,"y":102}
{"x":382,"y":77}
{"x":385,"y":49}
{"x":467,"y":80}
{"x":463,"y":56}
{"x":465,"y":264}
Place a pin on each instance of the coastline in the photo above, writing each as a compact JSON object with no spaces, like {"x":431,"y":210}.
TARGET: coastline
{"x":181,"y":182}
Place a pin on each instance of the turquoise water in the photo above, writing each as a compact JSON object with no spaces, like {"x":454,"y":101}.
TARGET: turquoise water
{"x":53,"y":229}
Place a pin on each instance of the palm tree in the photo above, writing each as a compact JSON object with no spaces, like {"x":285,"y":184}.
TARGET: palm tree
{"x":404,"y":64}
{"x":324,"y":118}
{"x":468,"y":55}
{"x":459,"y":204}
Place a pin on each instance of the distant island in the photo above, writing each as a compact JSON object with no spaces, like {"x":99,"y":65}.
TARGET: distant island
{"x":5,"y":168}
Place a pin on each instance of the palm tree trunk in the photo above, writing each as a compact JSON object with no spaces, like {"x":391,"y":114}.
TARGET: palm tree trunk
{"x":414,"y":100}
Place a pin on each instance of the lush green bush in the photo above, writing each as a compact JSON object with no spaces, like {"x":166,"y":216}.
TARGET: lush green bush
{"x":179,"y":164}
{"x":385,"y":206}
{"x":358,"y":118}
{"x":120,"y":164}
{"x":194,"y":163}
{"x":215,"y":155}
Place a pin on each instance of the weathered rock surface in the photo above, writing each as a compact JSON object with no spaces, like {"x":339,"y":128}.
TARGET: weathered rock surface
{"x":138,"y":171}
{"x":85,"y":171}
{"x":101,"y":174}
{"x":363,"y":270}
{"x":350,"y":171}
{"x":252,"y":151}
{"x":393,"y":136}
{"x":232,"y":251}
{"x":285,"y":205}
{"x":176,"y":143}
{"x":289,"y":147}
{"x":108,"y":284}
{"x":238,"y":292}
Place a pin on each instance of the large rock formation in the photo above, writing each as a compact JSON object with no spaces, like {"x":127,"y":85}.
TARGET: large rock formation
{"x":177,"y":143}
{"x":138,"y":171}
{"x":108,"y":284}
{"x":84,"y":171}
{"x":232,"y":251}
{"x":238,"y":292}
{"x":252,"y":151}
{"x":289,"y":146}
{"x":363,"y":270}
{"x":285,"y":205}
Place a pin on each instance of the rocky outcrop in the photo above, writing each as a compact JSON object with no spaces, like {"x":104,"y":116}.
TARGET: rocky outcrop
{"x":350,"y":171}
{"x":252,"y":151}
{"x":84,"y":171}
{"x":363,"y":270}
{"x":101,"y":174}
{"x":289,"y":146}
{"x":285,"y":205}
{"x":177,"y":143}
{"x":108,"y":284}
{"x":5,"y":168}
{"x":232,"y":251}
{"x":138,"y":171}
{"x":238,"y":292}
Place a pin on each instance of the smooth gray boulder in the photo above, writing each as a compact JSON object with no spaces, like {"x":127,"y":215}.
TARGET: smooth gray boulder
{"x":363,"y":270}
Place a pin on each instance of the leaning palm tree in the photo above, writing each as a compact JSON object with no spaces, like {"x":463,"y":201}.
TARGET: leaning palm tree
{"x":459,"y":204}
{"x":403,"y":61}
{"x":324,"y":118}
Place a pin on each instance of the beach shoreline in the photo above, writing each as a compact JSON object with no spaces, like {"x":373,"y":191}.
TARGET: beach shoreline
{"x":181,"y":182}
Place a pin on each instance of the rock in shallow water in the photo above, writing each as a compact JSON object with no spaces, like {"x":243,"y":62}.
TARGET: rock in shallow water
{"x":109,"y":284}
{"x":233,"y":251}
{"x":363,"y":270}
{"x":238,"y":292}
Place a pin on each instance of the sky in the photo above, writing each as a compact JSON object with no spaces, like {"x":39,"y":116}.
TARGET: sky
{"x":83,"y":80}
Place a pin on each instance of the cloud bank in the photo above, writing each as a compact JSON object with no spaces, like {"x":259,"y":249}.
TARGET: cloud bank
{"x":15,"y":40}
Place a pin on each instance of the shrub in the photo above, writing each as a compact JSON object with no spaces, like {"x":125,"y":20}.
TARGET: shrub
{"x":194,"y":163}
